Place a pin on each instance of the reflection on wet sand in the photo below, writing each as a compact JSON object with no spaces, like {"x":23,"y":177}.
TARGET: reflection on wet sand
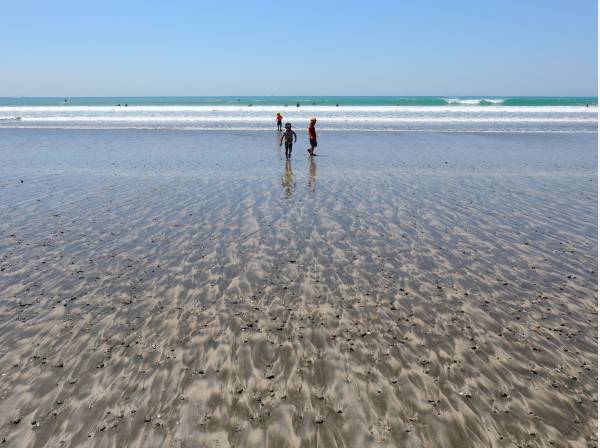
{"x":159,"y":289}
{"x":312,"y":174}
{"x":287,"y":180}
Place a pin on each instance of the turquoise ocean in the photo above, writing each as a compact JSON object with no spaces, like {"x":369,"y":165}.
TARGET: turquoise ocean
{"x":305,"y":100}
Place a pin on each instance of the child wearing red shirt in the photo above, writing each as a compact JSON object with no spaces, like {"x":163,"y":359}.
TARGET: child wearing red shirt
{"x":312,"y":136}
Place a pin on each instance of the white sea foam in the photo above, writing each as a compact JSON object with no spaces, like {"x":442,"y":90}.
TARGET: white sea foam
{"x":332,"y":129}
{"x":342,"y":119}
{"x":473,"y":101}
{"x":535,"y":118}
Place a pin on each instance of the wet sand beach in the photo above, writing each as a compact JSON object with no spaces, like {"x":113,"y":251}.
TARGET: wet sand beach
{"x":192,"y":289}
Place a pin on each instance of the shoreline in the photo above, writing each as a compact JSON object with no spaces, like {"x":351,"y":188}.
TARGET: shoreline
{"x":326,"y":130}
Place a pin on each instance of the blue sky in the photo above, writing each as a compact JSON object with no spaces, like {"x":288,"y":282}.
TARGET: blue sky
{"x":103,"y":48}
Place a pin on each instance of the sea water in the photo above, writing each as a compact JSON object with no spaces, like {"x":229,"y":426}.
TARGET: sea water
{"x":441,"y":114}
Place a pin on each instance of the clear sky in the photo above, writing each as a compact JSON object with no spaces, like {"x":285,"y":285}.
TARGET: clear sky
{"x":253,"y":47}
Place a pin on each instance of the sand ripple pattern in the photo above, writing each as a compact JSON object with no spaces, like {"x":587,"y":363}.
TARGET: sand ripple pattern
{"x":179,"y":290}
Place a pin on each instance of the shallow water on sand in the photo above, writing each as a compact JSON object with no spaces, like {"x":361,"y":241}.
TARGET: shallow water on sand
{"x":194,"y":289}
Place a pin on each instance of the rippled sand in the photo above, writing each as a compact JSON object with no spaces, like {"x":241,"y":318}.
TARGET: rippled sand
{"x":194,"y":289}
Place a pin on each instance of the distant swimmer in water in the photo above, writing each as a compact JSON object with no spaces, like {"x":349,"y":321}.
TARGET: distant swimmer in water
{"x":249,"y":105}
{"x":337,"y":105}
{"x":66,"y":100}
{"x":125,"y":104}
{"x":312,"y":136}
{"x":290,"y":138}
{"x":279,"y":119}
{"x":297,"y":104}
{"x":119,"y":104}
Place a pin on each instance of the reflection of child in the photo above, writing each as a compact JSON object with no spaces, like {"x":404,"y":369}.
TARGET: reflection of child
{"x":279,"y":119}
{"x":312,"y":174}
{"x":288,"y":179}
{"x":290,"y":138}
{"x":312,"y":136}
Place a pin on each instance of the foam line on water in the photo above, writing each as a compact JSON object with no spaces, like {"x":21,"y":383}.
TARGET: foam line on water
{"x":481,"y":118}
{"x":332,"y":129}
{"x":345,"y":119}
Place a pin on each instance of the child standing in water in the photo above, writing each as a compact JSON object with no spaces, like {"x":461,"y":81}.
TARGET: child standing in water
{"x":312,"y":136}
{"x":279,"y":119}
{"x":290,"y":138}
